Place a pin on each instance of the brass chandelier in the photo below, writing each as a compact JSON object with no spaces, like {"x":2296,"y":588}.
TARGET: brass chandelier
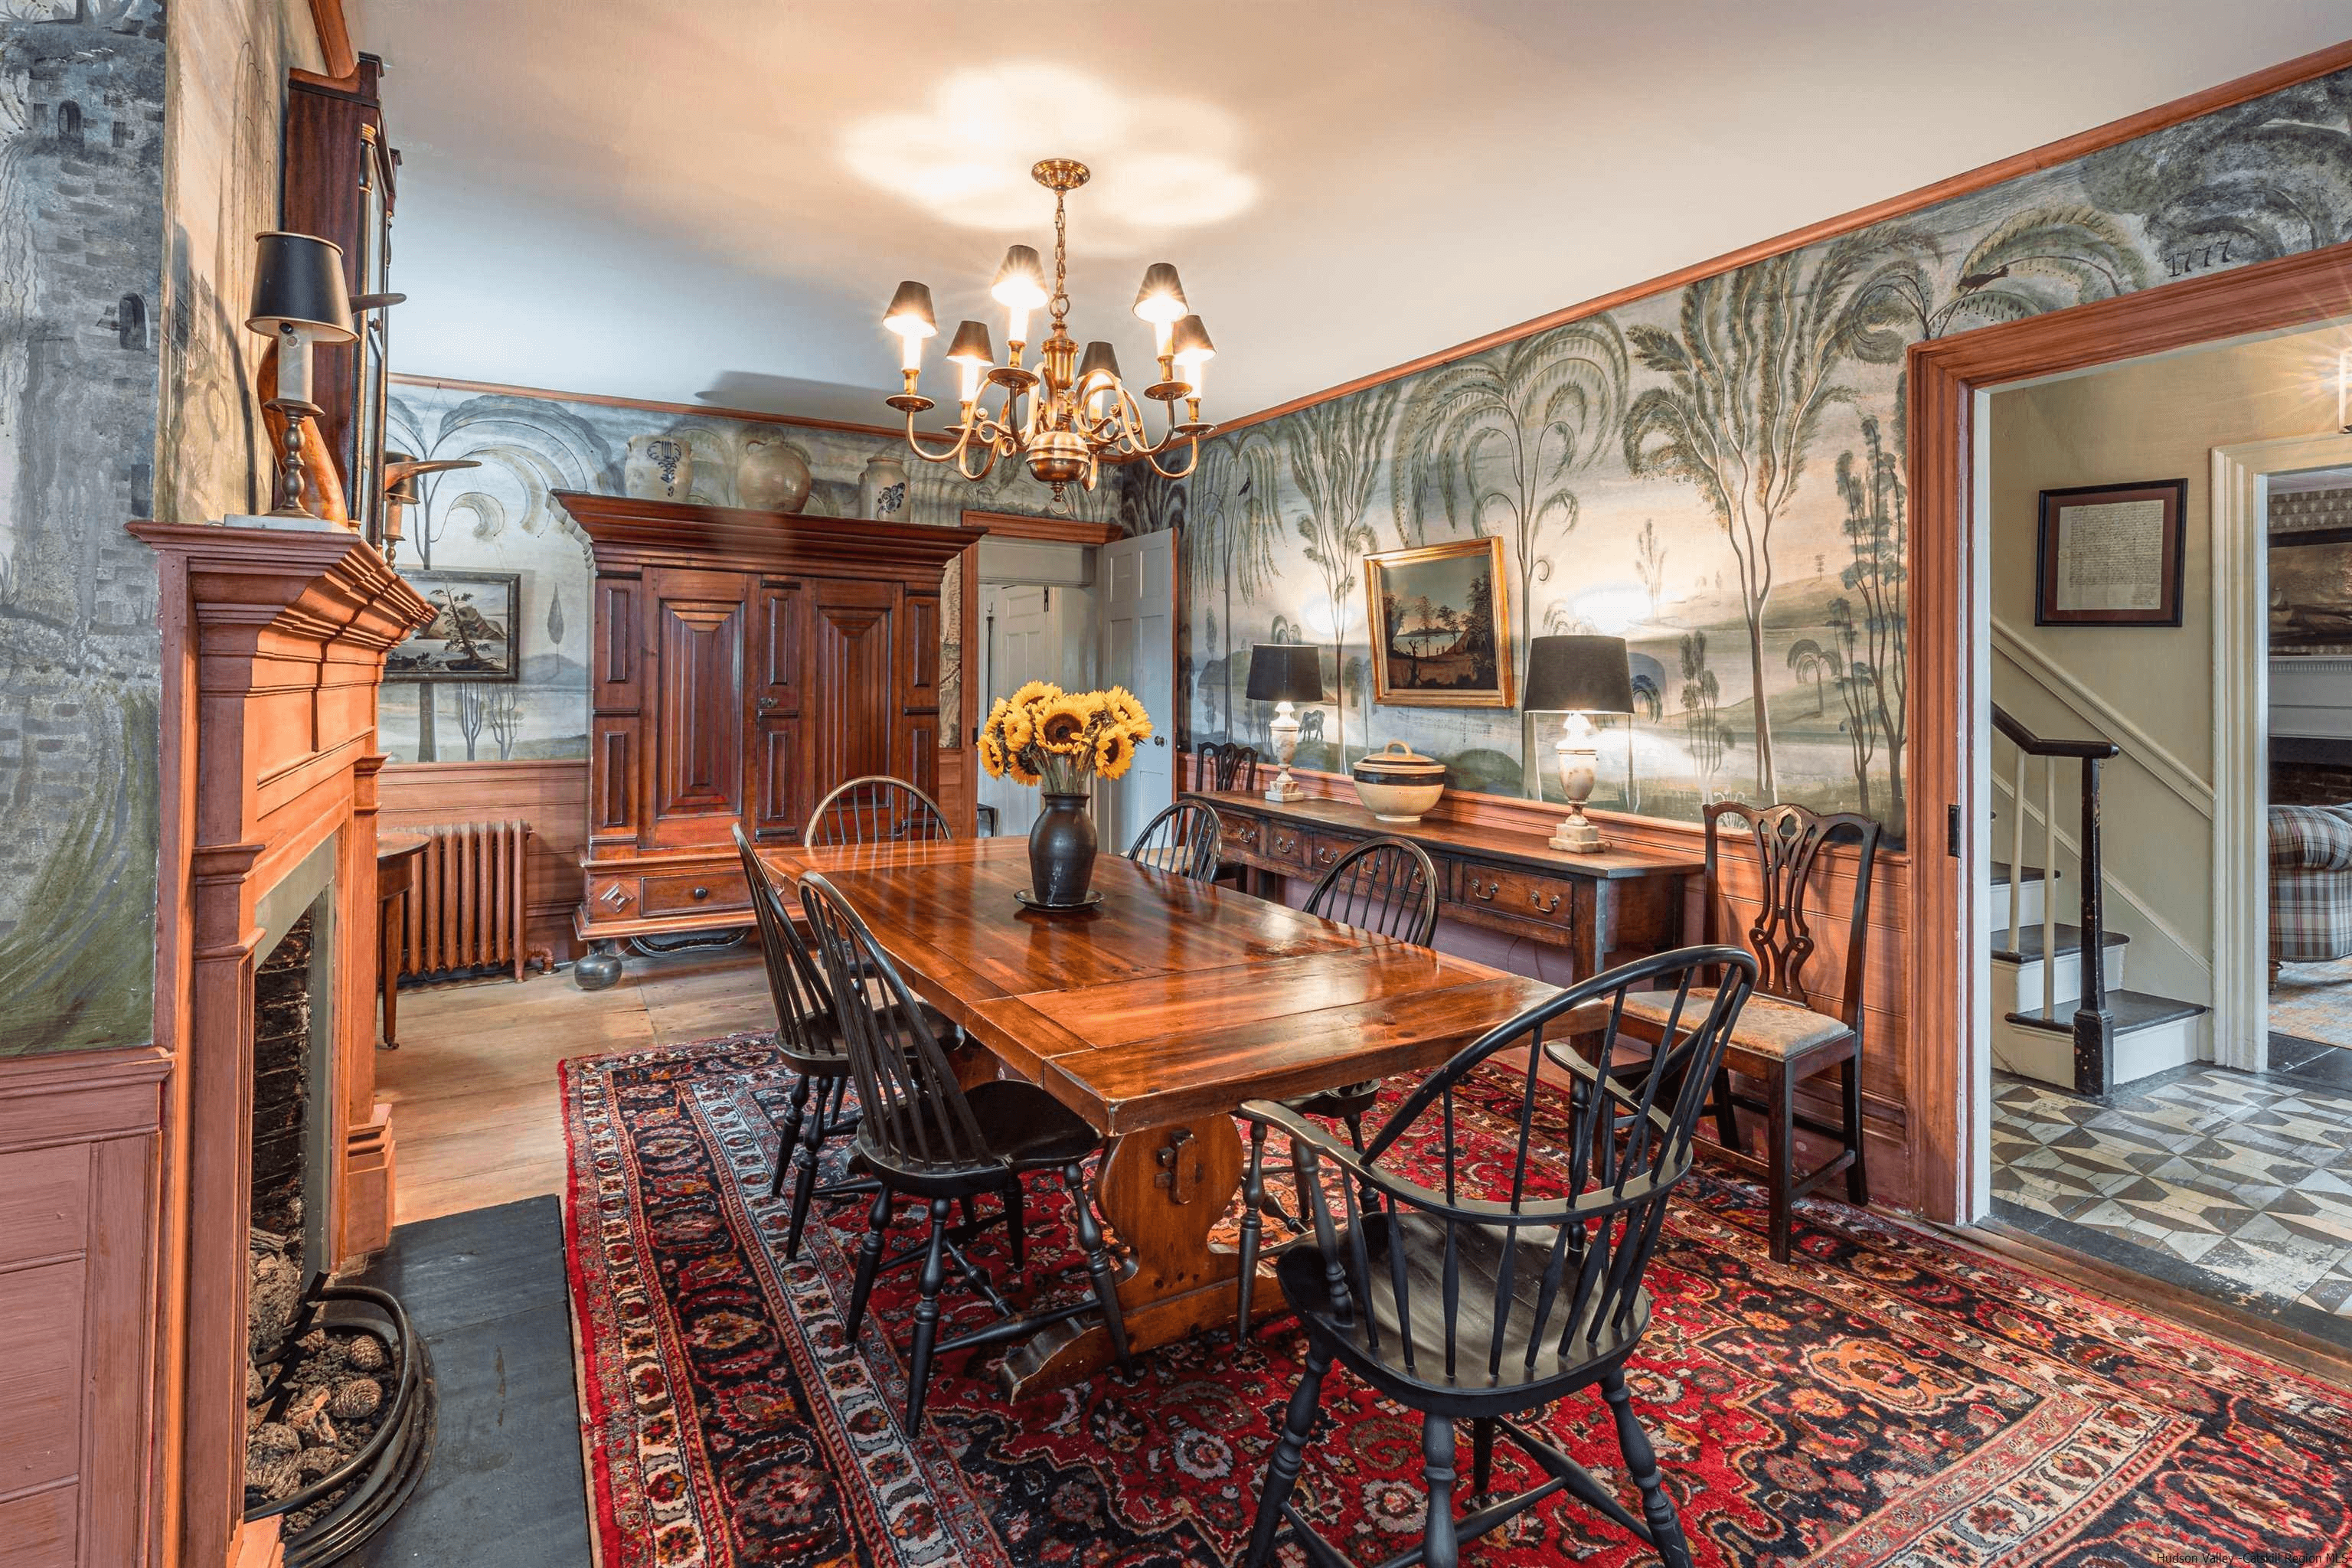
{"x":1073,"y":414}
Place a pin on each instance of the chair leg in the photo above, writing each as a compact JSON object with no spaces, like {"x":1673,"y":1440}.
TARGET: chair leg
{"x":1857,"y":1180}
{"x":788,"y":1133}
{"x":1440,"y":1547}
{"x":1482,"y":1456}
{"x":927,"y":1314}
{"x":1726,"y":1114}
{"x":1253,"y":1194}
{"x":812,"y":1136}
{"x":1779,"y":1132}
{"x":1016,"y":1224}
{"x":1090,"y":1240}
{"x":869,"y":1258}
{"x":1641,"y":1464}
{"x":1282,"y":1472}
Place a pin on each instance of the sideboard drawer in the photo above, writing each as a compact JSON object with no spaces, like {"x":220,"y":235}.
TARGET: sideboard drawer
{"x":1238,"y":834}
{"x":1521,"y":895}
{"x":693,"y":893}
{"x":1283,"y":844}
{"x":1325,"y":850}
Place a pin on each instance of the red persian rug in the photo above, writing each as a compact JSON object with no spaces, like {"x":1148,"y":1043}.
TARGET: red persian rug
{"x":1886,"y":1399}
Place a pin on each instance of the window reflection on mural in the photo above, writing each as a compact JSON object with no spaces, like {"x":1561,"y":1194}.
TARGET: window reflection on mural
{"x":501,"y":517}
{"x":1714,"y":473}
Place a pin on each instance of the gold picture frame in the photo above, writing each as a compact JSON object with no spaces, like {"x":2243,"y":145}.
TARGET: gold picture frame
{"x":1428,"y":650}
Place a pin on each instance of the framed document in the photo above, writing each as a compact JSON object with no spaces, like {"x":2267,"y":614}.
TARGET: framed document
{"x":2109,"y":555}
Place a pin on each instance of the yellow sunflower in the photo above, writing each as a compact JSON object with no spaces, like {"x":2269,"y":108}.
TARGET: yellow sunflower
{"x":992,"y":756}
{"x":1113,"y":752}
{"x":1127,"y":709}
{"x":1034,"y":691}
{"x":1017,"y":728}
{"x":1018,"y":771}
{"x":1062,"y":725}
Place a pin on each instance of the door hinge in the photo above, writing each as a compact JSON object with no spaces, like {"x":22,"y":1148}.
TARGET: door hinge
{"x":1049,"y":601}
{"x":1952,"y":831}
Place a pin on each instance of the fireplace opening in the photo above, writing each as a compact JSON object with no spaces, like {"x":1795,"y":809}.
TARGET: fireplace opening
{"x":338,"y":1400}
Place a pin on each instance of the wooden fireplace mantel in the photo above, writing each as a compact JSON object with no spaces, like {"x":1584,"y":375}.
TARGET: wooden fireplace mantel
{"x":274,"y":644}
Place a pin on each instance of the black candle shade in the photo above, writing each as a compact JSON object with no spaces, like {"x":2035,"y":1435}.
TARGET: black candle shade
{"x":299,"y":277}
{"x":1579,"y":674}
{"x":1287,"y":672}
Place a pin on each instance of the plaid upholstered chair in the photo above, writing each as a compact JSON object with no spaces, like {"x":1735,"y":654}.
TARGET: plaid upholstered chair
{"x":2311,"y":884}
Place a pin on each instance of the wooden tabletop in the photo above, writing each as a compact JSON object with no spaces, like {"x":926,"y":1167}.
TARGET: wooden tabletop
{"x":1498,"y":844}
{"x":1175,"y":999}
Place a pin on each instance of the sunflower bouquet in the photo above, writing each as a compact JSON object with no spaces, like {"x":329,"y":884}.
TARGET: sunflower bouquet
{"x":1044,"y":735}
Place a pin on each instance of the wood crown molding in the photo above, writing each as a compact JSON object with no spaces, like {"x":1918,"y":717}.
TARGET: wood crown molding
{"x":2301,"y":69}
{"x":687,"y":533}
{"x":335,"y":38}
{"x":606,"y":400}
{"x":1052,"y":529}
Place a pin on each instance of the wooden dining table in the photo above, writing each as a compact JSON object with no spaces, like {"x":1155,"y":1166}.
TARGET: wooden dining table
{"x":1155,"y":1016}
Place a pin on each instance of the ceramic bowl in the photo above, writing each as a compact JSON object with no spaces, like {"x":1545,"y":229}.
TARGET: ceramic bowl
{"x":1397,"y":784}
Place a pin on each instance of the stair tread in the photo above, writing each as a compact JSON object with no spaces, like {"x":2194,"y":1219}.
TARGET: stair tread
{"x":2000,"y":874}
{"x":2132,"y":1010}
{"x":2028,"y":942}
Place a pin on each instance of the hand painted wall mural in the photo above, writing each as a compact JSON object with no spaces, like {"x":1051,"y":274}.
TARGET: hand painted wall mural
{"x":122,"y":395}
{"x":501,"y":518}
{"x":1714,"y":473}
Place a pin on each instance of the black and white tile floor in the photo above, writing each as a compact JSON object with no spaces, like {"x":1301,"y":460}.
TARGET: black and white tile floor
{"x":2244,"y":1178}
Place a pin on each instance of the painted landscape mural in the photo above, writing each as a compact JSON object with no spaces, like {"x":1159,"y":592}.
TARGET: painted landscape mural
{"x":501,"y":518}
{"x":1714,"y":473}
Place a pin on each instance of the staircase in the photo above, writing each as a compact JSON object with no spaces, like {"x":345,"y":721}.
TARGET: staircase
{"x":2057,"y":1017}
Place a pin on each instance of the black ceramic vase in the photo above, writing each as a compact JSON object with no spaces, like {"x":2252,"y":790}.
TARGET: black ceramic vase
{"x":1062,"y":851}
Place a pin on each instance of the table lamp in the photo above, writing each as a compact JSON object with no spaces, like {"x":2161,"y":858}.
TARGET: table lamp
{"x":1284,"y":674}
{"x":1578,"y":676}
{"x":300,"y":300}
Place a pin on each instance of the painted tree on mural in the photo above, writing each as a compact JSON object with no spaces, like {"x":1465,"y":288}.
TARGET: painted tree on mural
{"x":1808,"y":660}
{"x":1336,"y":450}
{"x":1704,"y":731}
{"x":2044,"y":258}
{"x":1750,"y":370}
{"x":2268,"y":178}
{"x":1495,"y":440}
{"x":1858,"y":692}
{"x":1230,"y":545}
{"x":1873,"y":491}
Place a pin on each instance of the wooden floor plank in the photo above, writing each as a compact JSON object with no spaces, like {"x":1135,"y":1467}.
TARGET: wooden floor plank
{"x":476,"y":1112}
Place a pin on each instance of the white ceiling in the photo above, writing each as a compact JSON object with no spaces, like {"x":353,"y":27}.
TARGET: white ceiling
{"x":711,"y":202}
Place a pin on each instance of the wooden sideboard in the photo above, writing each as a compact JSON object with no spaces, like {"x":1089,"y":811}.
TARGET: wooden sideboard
{"x":1514,"y":884}
{"x":744,"y":663}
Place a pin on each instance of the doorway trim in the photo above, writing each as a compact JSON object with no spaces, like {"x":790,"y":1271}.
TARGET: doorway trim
{"x":1947,"y":382}
{"x":2241,"y":688}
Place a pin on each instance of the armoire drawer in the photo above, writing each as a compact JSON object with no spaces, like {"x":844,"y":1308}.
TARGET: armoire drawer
{"x":692,"y":892}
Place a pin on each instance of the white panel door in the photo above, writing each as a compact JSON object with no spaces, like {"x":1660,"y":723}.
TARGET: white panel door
{"x":1021,"y":636}
{"x":1139,"y":580}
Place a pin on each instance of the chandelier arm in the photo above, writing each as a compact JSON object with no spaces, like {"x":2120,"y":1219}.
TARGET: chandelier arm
{"x":1152,"y":457}
{"x":955,"y":449}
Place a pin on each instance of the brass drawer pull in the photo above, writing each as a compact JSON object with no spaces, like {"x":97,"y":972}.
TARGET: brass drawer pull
{"x":1537,"y":901}
{"x":1324,"y":857}
{"x":1284,"y":846}
{"x":1485,"y":893}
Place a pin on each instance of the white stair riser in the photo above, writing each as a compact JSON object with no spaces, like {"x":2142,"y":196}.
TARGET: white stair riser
{"x":2016,"y":986}
{"x":2048,"y":1056}
{"x":2029,"y":904}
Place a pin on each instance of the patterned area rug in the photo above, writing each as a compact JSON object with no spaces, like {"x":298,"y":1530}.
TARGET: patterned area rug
{"x":2313,"y":1002}
{"x":1886,"y":1399}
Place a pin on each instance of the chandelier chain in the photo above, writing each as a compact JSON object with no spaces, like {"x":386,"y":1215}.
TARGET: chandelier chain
{"x":1061,"y":261}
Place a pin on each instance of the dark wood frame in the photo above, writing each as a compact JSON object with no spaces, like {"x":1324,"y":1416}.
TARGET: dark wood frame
{"x":2173,"y":493}
{"x":513,"y":581}
{"x":1943,"y":379}
{"x":1376,"y":567}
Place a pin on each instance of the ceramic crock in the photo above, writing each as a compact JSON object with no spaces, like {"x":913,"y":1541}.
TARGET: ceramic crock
{"x":1062,"y":851}
{"x":1397,"y":784}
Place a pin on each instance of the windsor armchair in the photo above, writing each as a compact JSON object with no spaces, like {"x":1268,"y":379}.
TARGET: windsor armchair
{"x":1492,"y":1304}
{"x":1183,"y":839}
{"x":876,"y":809}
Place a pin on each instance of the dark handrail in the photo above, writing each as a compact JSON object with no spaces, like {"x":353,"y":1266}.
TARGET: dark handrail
{"x":2095,"y":1023}
{"x":2033,"y":745}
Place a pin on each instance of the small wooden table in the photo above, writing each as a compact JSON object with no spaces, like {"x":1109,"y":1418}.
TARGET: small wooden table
{"x":1154,"y":1017}
{"x":397,"y":853}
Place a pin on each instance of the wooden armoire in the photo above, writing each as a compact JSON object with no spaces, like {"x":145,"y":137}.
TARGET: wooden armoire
{"x":744,"y":663}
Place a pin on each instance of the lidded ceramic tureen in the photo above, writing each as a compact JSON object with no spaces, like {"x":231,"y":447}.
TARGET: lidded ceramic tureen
{"x":1397,"y":784}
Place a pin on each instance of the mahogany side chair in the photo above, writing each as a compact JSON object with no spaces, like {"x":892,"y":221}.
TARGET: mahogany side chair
{"x":1515,"y":1280}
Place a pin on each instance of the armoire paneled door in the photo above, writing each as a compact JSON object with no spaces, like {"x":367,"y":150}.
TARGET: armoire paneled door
{"x":744,"y":663}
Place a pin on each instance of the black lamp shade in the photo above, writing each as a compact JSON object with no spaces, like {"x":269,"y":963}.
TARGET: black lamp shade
{"x":1286,"y":672}
{"x":1579,"y":674}
{"x":299,"y":277}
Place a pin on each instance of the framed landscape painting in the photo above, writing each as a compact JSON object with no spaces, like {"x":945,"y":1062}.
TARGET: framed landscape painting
{"x":2311,"y":592}
{"x":475,"y":631}
{"x":1441,"y":619}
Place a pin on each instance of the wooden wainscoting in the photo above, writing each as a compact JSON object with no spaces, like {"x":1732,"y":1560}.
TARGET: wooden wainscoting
{"x":1897,"y":1154}
{"x":551,"y":794}
{"x":79,"y":1140}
